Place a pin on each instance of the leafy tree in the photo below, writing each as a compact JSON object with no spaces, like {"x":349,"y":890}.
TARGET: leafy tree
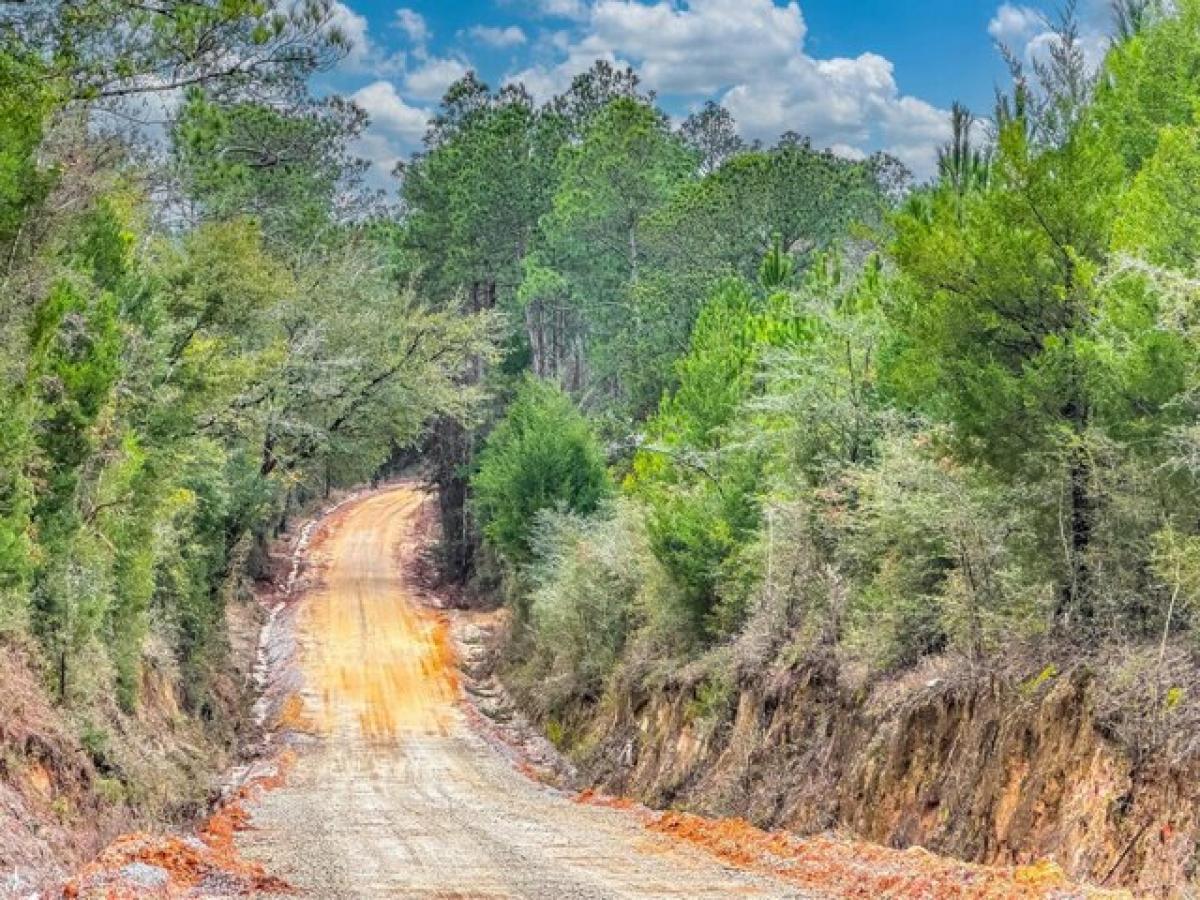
{"x":592,"y":580}
{"x":289,"y":168}
{"x":701,"y":489}
{"x":475,"y":196}
{"x":712,"y":134}
{"x":25,"y":102}
{"x":115,"y":50}
{"x":725,"y":224}
{"x":75,"y":347}
{"x":1131,"y":16}
{"x":170,"y":389}
{"x":945,"y":557}
{"x":626,"y":166}
{"x":822,"y":409}
{"x":473,"y":201}
{"x":1148,"y":81}
{"x":590,"y":93}
{"x":962,"y":165}
{"x":1001,"y":297}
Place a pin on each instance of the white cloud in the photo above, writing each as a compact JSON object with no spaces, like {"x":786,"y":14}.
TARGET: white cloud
{"x":1013,"y":23}
{"x":389,"y":112}
{"x":511,"y":36}
{"x":430,"y":80}
{"x":560,"y":9}
{"x":544,"y":81}
{"x":353,"y":27}
{"x":1029,"y":33}
{"x":412,"y":23}
{"x":364,"y":54}
{"x":750,"y":54}
{"x":395,"y":131}
{"x":700,"y":48}
{"x":845,"y":151}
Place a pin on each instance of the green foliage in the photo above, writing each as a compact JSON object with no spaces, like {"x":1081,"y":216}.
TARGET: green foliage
{"x":168,"y":392}
{"x":776,"y":269}
{"x":822,"y":408}
{"x":946,"y":558}
{"x":590,"y":576}
{"x":781,"y":207}
{"x":1149,"y":82}
{"x":542,"y":455}
{"x":475,"y":197}
{"x":75,"y":346}
{"x":25,"y":102}
{"x":715,"y":699}
{"x":288,"y":168}
{"x":1000,"y":298}
{"x":1159,"y":217}
{"x":702,"y":493}
{"x":111,"y":50}
{"x":626,"y":166}
{"x":802,"y":198}
{"x":846,"y":430}
{"x":854,"y":423}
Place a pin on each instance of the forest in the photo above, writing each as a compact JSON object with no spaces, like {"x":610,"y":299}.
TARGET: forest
{"x":764,"y":404}
{"x":685,"y":399}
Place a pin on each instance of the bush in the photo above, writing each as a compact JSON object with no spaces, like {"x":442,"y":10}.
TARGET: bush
{"x":582,"y":605}
{"x":943,"y":557}
{"x":542,"y":456}
{"x":595,"y":583}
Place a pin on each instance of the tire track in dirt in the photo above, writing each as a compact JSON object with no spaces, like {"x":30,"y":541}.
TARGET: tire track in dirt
{"x":394,"y":795}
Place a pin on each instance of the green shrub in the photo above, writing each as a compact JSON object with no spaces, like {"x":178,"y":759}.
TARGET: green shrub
{"x":942,"y":557}
{"x":595,"y":585}
{"x":542,"y":456}
{"x":95,"y":741}
{"x":110,"y":790}
{"x":587,"y":576}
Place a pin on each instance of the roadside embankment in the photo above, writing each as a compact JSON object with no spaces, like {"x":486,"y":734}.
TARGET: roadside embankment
{"x":1005,"y":768}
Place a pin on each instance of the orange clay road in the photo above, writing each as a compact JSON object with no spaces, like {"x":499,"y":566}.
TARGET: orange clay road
{"x":397,"y":797}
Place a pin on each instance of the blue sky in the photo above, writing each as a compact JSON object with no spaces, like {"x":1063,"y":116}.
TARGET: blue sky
{"x":855,"y":76}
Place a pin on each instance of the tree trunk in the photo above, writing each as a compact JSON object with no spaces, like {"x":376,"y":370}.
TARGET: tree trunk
{"x":62,"y":676}
{"x":1081,"y":533}
{"x":535,"y":328}
{"x":1075,"y":596}
{"x":450,"y":450}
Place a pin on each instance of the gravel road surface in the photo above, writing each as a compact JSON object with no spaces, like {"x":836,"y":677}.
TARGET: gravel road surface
{"x":397,"y":797}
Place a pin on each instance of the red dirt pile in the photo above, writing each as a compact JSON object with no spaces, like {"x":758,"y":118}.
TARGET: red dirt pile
{"x":852,"y":869}
{"x":207,"y":862}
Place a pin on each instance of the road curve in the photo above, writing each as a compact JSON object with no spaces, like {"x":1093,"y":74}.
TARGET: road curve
{"x":398,"y":797}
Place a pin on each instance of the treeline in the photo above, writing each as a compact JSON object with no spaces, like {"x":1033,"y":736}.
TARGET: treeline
{"x":203,"y":323}
{"x":598,"y":230}
{"x":771,"y":404}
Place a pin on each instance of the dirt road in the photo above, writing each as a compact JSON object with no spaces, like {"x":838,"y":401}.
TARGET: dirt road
{"x":398,"y":797}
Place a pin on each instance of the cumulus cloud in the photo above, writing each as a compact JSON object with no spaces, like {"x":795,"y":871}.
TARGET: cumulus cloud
{"x":364,"y":54}
{"x":558,"y":9}
{"x":413,"y":24}
{"x":396,"y":127}
{"x":1030,"y":34}
{"x":511,"y":36}
{"x":430,"y":80}
{"x":750,"y":54}
{"x":389,"y":112}
{"x":701,"y":48}
{"x":353,"y":27}
{"x":1013,"y":23}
